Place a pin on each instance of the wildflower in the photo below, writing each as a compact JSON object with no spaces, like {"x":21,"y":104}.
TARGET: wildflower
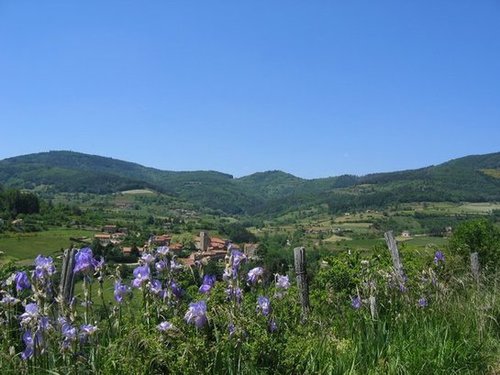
{"x":163,"y":251}
{"x":30,"y":314}
{"x":22,"y":281}
{"x":196,"y":314}
{"x":231,"y":328}
{"x":177,"y":291}
{"x":228,"y":272}
{"x":29,"y":342}
{"x":174,"y":266}
{"x":68,"y":331}
{"x":208,"y":283}
{"x":141,"y":274}
{"x":148,"y":258}
{"x":85,"y":261}
{"x":8,"y":300}
{"x":99,"y":265}
{"x":237,"y":257}
{"x":356,"y":303}
{"x":254,"y":274}
{"x":272,"y":326}
{"x":155,"y":287}
{"x":422,"y":302}
{"x":121,"y":290}
{"x":282,"y":282}
{"x":165,"y":326}
{"x":44,"y":267}
{"x":438,"y":257}
{"x":263,"y":305}
{"x":161,"y":266}
{"x":44,"y":323}
{"x":235,"y":293}
{"x":87,"y":330}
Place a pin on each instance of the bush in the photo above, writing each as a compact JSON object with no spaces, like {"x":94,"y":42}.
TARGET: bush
{"x":479,"y":236}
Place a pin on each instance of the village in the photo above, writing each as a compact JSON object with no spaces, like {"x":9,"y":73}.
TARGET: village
{"x":206,"y":248}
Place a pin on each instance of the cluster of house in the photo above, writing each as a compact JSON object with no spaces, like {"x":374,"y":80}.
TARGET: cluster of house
{"x":207,"y":248}
{"x":215,"y":248}
{"x":111,"y":234}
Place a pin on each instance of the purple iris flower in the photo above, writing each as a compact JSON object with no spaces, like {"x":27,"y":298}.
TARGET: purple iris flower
{"x":30,"y":314}
{"x":208,"y":283}
{"x":8,"y":300}
{"x":356,"y":303}
{"x":237,"y":257}
{"x":44,"y":267}
{"x":161,"y":266}
{"x":177,"y":291}
{"x":254,"y":274}
{"x":163,"y":251}
{"x":165,"y":326}
{"x":175,"y":266}
{"x":235,"y":293}
{"x":273,"y":327}
{"x":68,"y":331}
{"x":141,"y":275}
{"x":205,"y":288}
{"x":422,"y":302}
{"x":29,"y":342}
{"x":438,"y":257}
{"x":196,"y":314}
{"x":227,"y":274}
{"x":22,"y":281}
{"x":263,"y":305}
{"x":88,"y":329}
{"x":148,"y":258}
{"x":282,"y":282}
{"x":231,"y":328}
{"x":121,"y":290}
{"x":44,"y":323}
{"x":155,"y":287}
{"x":85,"y":261}
{"x":209,"y":279}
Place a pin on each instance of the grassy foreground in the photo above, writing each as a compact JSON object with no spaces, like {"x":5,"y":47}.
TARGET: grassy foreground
{"x":434,"y":320}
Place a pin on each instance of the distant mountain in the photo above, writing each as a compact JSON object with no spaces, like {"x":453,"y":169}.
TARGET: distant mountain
{"x":471,"y":178}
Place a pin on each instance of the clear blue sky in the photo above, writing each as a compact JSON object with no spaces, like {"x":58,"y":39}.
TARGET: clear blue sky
{"x":314,"y":88}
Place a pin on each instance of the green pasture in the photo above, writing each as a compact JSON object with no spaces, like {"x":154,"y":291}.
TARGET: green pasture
{"x":26,"y":246}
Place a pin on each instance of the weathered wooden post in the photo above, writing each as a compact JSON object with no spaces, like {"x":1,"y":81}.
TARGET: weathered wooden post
{"x":474,"y":265}
{"x":393,"y":248}
{"x":373,"y":307}
{"x":67,"y":283}
{"x":299,"y":254}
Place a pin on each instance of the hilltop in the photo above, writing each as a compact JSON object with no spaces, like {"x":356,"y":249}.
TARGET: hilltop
{"x":473,"y":178}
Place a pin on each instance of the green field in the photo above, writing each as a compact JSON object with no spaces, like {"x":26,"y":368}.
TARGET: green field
{"x":26,"y":246}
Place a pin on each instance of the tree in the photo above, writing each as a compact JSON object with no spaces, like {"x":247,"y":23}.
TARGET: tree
{"x":479,"y":236}
{"x":238,"y":233}
{"x":17,"y":202}
{"x":185,"y":239}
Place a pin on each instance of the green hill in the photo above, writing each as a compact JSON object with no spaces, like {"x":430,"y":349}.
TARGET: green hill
{"x":471,"y":178}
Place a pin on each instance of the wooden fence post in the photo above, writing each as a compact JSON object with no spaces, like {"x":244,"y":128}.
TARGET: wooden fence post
{"x":373,"y":307}
{"x":67,"y":283}
{"x":299,"y":254}
{"x":474,"y":265}
{"x":393,"y":248}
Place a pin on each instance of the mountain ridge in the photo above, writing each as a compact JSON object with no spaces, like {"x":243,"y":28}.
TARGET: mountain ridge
{"x":271,"y":192}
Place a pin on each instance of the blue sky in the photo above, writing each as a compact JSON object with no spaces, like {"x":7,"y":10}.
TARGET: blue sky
{"x":314,"y":88}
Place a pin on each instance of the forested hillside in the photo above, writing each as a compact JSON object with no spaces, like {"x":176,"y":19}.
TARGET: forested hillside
{"x":472,"y":178}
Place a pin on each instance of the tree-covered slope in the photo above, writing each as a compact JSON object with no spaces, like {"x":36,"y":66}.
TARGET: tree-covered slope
{"x":471,"y":178}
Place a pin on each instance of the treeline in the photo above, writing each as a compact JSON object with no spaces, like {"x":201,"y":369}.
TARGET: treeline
{"x":14,"y":202}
